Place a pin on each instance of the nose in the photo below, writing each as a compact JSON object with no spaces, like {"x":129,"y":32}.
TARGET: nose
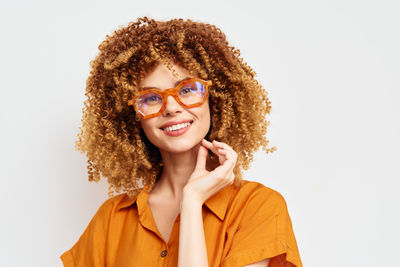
{"x":172,"y":106}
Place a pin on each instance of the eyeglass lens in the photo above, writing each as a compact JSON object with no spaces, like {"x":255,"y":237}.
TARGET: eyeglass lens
{"x":189,"y":94}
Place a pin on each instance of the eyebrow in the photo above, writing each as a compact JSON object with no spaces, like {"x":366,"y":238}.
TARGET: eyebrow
{"x":176,"y":84}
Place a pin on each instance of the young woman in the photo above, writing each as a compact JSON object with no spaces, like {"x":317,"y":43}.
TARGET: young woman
{"x":172,"y":117}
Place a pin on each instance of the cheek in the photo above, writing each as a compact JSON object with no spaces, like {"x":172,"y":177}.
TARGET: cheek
{"x":205,"y":116}
{"x":207,"y":111}
{"x":147,"y":127}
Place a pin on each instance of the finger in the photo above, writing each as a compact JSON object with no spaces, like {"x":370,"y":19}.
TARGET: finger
{"x":224,"y":153}
{"x":230,"y":175}
{"x":206,"y":143}
{"x":222,"y":145}
{"x":223,"y":150}
{"x":228,"y":153}
{"x":230,"y":163}
{"x":223,"y":178}
{"x":224,"y":169}
{"x":217,"y":144}
{"x":231,"y":159}
{"x":201,"y":157}
{"x":211,"y":146}
{"x":225,"y":147}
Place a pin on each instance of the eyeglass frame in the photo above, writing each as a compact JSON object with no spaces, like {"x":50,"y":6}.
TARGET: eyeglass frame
{"x":172,"y":92}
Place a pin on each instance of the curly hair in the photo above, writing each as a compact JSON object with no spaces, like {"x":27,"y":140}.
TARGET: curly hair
{"x":111,"y":136}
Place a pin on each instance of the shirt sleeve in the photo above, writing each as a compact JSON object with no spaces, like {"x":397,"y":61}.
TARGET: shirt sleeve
{"x":89,"y":250}
{"x":265,"y":231}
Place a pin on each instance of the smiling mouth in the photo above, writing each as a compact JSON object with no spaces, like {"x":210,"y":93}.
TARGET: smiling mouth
{"x":177,"y":127}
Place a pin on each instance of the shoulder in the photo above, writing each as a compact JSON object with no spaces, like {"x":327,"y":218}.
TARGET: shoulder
{"x":113,"y":201}
{"x":254,"y":200}
{"x":260,"y":226}
{"x":111,"y":205}
{"x":251,"y":191}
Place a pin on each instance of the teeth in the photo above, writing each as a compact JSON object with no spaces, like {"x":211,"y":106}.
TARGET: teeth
{"x":176,"y":126}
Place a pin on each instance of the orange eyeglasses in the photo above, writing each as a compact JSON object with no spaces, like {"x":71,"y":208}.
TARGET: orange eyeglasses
{"x":189,"y":93}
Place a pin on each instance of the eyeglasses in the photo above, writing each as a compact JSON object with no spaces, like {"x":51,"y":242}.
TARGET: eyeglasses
{"x":189,"y":93}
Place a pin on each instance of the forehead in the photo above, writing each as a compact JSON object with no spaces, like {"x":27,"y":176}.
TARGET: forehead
{"x":162,"y":77}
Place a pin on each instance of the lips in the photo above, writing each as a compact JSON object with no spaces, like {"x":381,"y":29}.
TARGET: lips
{"x":170,"y":123}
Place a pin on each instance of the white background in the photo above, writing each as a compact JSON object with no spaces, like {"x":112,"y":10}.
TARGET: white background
{"x":332,"y":72}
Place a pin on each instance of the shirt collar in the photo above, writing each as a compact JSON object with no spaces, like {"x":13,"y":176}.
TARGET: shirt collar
{"x":218,"y":203}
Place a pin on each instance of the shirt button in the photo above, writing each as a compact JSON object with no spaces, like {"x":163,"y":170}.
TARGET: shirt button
{"x":163,"y":253}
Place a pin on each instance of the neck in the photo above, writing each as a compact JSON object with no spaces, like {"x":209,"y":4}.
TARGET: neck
{"x":177,"y":169}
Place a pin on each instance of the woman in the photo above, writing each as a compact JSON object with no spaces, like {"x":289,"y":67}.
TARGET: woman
{"x":161,"y":95}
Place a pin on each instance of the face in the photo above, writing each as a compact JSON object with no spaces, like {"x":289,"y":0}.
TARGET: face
{"x":199,"y":117}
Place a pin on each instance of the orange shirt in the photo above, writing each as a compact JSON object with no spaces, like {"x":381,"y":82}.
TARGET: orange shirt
{"x":241,"y":226}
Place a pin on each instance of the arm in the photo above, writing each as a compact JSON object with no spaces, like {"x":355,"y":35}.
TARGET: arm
{"x":201,"y":185}
{"x":192,"y":243}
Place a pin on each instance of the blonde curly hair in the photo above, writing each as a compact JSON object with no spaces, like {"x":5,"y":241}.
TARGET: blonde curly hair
{"x":111,"y":136}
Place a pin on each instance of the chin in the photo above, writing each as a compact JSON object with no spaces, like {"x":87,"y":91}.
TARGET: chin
{"x":179,"y":146}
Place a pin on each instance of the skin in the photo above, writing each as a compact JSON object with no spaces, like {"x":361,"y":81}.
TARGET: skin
{"x":178,"y":153}
{"x":186,"y":181}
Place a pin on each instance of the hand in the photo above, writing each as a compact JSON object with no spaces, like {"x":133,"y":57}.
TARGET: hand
{"x":203,"y":184}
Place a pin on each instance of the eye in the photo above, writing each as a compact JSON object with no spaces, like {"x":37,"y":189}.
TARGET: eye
{"x":188,"y":89}
{"x":150,"y":99}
